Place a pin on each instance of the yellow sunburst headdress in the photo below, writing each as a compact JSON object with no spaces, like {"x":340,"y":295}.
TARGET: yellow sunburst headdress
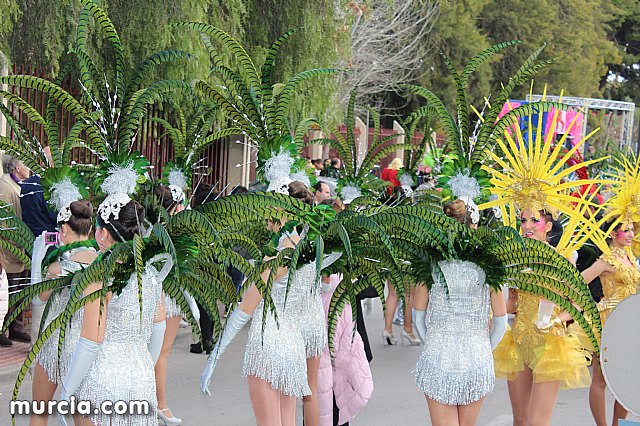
{"x":534,"y":174}
{"x":624,"y":205}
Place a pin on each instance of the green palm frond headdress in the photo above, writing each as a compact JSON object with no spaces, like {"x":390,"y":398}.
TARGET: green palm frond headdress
{"x":256,"y":106}
{"x":464,"y":177}
{"x":62,"y":186}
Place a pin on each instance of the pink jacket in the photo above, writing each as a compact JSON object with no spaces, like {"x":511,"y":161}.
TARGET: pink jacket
{"x":350,"y":376}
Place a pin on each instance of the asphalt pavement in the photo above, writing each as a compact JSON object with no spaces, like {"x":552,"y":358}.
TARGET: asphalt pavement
{"x":395,"y":399}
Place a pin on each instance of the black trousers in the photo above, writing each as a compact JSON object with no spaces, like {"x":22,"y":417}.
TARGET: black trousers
{"x":206,"y":324}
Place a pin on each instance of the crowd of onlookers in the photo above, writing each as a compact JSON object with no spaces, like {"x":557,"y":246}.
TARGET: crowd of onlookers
{"x":327,"y":168}
{"x":22,"y":191}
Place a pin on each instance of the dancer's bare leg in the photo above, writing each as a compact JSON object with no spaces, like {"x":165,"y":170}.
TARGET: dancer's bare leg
{"x":265,"y":402}
{"x":520,"y":394}
{"x":173,"y":324}
{"x":391,"y":304}
{"x":287,"y":410}
{"x":468,"y":414}
{"x":42,"y":390}
{"x":597,"y":393}
{"x":310,"y":403}
{"x":543,"y":401}
{"x":441,"y":414}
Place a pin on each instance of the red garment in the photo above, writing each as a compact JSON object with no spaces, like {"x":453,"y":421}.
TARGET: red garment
{"x":391,"y":175}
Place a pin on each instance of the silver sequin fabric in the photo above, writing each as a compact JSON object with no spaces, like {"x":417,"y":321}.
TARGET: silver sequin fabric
{"x":171,"y":307}
{"x":48,"y":355}
{"x":279,"y":355}
{"x":124,"y":369}
{"x":313,"y":324}
{"x":456,"y":364}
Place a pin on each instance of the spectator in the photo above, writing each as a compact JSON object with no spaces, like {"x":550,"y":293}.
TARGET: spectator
{"x":326,"y":165}
{"x":390,"y":173}
{"x":35,"y":212}
{"x":322,"y":192}
{"x":4,"y":301}
{"x":334,"y":169}
{"x":14,"y":171}
{"x":318,"y":165}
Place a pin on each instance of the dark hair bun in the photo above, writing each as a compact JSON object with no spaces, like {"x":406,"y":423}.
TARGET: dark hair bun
{"x":81,"y":209}
{"x":164,"y":196}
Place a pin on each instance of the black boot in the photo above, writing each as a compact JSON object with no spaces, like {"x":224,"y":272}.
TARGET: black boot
{"x":4,"y":341}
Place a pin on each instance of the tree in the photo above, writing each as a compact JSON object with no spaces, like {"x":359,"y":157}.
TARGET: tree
{"x":388,"y":47}
{"x":576,"y":34}
{"x":623,"y":80}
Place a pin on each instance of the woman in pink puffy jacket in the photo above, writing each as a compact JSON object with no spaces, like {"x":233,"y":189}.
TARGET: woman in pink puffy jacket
{"x":348,"y":377}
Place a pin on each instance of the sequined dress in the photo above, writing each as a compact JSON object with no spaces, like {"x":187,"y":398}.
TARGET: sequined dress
{"x":48,"y":355}
{"x":553,"y":356}
{"x":279,"y":355}
{"x":456,"y":366}
{"x":620,"y":284}
{"x":172,"y":308}
{"x":124,"y":369}
{"x":313,"y":323}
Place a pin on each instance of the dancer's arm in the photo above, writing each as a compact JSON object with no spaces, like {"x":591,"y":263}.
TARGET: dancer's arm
{"x":499,"y":321}
{"x":93,"y":328}
{"x":598,"y":268}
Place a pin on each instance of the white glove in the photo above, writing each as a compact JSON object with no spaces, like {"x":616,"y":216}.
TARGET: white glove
{"x":235,"y":322}
{"x":498,"y":328}
{"x":84,"y":354}
{"x":419,"y":321}
{"x":157,"y":339}
{"x":192,"y":305}
{"x":37,"y":256}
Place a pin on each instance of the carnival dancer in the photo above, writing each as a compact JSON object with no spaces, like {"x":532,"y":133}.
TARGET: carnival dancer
{"x":122,"y":339}
{"x":538,"y":356}
{"x":617,"y":269}
{"x":75,"y":224}
{"x":455,"y":369}
{"x":275,"y":361}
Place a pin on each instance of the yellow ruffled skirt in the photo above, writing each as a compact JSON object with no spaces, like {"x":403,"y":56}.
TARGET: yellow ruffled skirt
{"x":551,"y":357}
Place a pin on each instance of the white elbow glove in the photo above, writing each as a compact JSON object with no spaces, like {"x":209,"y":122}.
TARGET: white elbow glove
{"x":83,"y":356}
{"x":157,"y":339}
{"x":235,"y":322}
{"x":192,"y":305}
{"x":37,"y":256}
{"x":498,"y":328}
{"x":419,"y":320}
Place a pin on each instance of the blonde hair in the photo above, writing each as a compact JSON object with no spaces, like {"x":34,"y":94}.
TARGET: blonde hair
{"x":396,"y":164}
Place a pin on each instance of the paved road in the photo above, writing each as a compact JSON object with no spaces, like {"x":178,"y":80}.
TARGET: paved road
{"x":395,"y":400}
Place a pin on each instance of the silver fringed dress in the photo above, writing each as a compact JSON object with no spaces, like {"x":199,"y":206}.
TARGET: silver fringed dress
{"x":456,"y":364}
{"x":124,"y":369}
{"x":48,"y":355}
{"x":279,"y":355}
{"x":313,"y":323}
{"x":171,"y":307}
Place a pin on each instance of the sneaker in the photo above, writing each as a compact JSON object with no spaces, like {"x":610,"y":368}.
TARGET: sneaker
{"x":4,"y":341}
{"x":19,"y":336}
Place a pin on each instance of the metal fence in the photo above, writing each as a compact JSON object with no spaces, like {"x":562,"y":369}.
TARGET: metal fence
{"x":151,"y":140}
